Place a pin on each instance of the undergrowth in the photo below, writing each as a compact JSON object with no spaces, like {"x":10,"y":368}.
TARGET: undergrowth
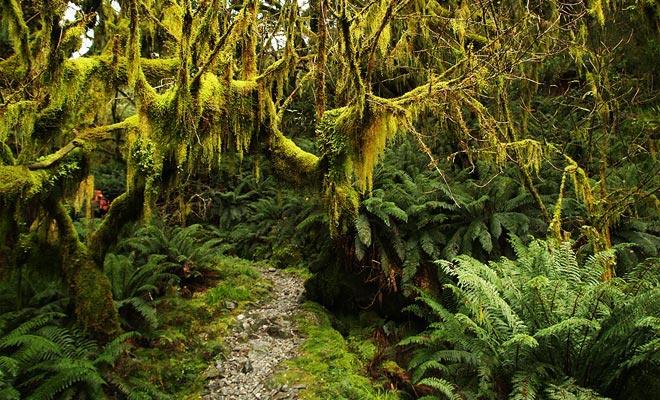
{"x":192,"y":331}
{"x":330,"y":366}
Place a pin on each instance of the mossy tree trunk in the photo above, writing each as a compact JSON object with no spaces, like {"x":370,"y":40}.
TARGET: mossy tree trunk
{"x":87,"y":284}
{"x":28,"y":192}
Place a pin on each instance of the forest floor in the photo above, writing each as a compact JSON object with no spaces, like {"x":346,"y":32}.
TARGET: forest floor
{"x":283,"y":346}
{"x":250,"y":333}
{"x":263,"y":336}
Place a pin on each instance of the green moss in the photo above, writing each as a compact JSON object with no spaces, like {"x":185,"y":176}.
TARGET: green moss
{"x":250,"y":39}
{"x":92,"y":296}
{"x":78,"y":88}
{"x":341,"y":201}
{"x":18,"y":29}
{"x":241,"y":114}
{"x":88,"y":286}
{"x":291,"y":161}
{"x":192,"y":331}
{"x":340,"y":198}
{"x":326,"y":366}
{"x":18,"y":120}
{"x":19,"y":181}
{"x":154,"y":70}
{"x":351,"y":140}
{"x":365,"y":131}
{"x":213,"y":133}
{"x":12,"y":68}
{"x":124,"y":209}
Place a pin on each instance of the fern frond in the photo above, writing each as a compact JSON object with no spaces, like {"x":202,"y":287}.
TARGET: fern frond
{"x":70,"y":373}
{"x":8,"y":367}
{"x":30,"y":325}
{"x":429,"y":244}
{"x":566,"y":325}
{"x":110,"y":352}
{"x":363,"y":229}
{"x":147,"y":311}
{"x":429,"y":365}
{"x":10,"y":394}
{"x":31,"y":347}
{"x":569,"y":390}
{"x":442,"y":386}
{"x":525,"y":386}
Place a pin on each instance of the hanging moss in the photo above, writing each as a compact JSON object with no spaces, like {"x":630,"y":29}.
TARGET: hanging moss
{"x":527,"y":153}
{"x":18,"y":29}
{"x":341,"y":201}
{"x":240,"y":109}
{"x":80,"y":87}
{"x":83,"y":201}
{"x":212,"y":95}
{"x":6,"y":155}
{"x":368,"y":132}
{"x":250,"y":39}
{"x":351,"y":140}
{"x":18,"y":121}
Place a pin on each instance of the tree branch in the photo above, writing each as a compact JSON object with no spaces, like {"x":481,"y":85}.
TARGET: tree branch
{"x":55,"y":157}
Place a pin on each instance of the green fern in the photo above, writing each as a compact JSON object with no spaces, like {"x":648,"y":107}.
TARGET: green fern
{"x":135,"y":287}
{"x":42,"y":358}
{"x":538,"y":326}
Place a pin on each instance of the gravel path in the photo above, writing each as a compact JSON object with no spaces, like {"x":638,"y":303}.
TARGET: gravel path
{"x":263,"y":337}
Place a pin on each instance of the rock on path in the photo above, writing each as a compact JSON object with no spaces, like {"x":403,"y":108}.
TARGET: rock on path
{"x":263,"y":337}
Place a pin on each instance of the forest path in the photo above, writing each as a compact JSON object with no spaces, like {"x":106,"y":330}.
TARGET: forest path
{"x":264,"y":336}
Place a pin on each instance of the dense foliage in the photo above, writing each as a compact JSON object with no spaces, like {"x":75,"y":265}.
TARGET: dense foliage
{"x":541,"y":326}
{"x":391,"y":146}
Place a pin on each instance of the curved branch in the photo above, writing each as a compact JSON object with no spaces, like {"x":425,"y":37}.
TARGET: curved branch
{"x":372,"y":43}
{"x":291,"y":161}
{"x":158,"y":23}
{"x":55,"y":157}
{"x":124,"y":209}
{"x":89,"y":136}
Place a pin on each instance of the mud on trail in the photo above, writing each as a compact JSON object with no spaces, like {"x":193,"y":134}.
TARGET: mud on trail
{"x":264,"y":336}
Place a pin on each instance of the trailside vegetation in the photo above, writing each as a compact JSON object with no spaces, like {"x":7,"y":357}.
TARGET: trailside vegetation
{"x":393,"y":147}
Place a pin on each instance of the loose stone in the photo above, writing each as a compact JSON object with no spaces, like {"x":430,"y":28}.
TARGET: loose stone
{"x":263,"y":337}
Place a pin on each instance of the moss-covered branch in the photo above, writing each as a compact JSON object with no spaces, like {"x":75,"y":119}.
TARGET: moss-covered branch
{"x":51,"y":159}
{"x":320,"y":64}
{"x":291,"y":161}
{"x":20,"y":181}
{"x":126,"y":208}
{"x":88,"y":138}
{"x":18,"y":30}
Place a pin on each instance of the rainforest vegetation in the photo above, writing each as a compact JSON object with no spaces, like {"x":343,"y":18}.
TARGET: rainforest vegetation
{"x":470,"y":187}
